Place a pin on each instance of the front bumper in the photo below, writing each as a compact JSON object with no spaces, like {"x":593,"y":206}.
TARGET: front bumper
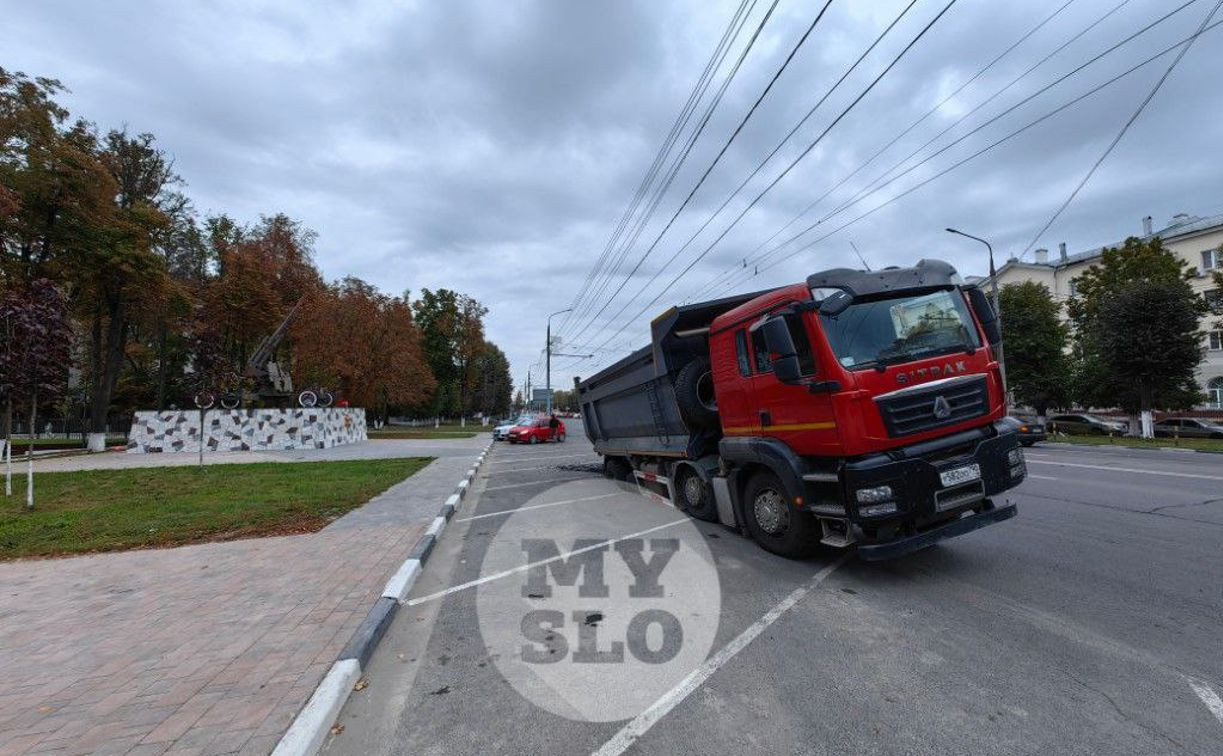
{"x":926,"y":509}
{"x":966,"y":524}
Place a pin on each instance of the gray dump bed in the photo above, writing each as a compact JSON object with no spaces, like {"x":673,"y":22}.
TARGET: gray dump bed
{"x":631,"y":408}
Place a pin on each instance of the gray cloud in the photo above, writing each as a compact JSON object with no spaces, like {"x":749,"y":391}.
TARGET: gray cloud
{"x":491,"y":147}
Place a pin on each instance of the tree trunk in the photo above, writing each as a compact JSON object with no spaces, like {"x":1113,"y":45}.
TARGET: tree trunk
{"x":8,"y":447}
{"x":29,"y":454}
{"x":161,"y":364}
{"x":111,"y":364}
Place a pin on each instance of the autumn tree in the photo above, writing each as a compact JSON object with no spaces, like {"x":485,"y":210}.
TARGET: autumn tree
{"x":363,"y":343}
{"x":1038,"y":368}
{"x":34,"y":359}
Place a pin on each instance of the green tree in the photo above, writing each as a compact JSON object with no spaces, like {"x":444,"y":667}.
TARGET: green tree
{"x":494,"y":385}
{"x":1037,"y":365}
{"x":452,"y":330}
{"x":1146,"y":276}
{"x":1149,"y":340}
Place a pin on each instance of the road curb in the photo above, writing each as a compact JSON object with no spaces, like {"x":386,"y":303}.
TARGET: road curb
{"x":1067,"y":444}
{"x":311,"y":725}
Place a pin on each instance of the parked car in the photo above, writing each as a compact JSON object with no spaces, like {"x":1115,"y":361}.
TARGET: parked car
{"x":1189,"y":427}
{"x":1086,"y":425}
{"x":536,"y":431}
{"x":1030,"y":431}
{"x":501,"y":430}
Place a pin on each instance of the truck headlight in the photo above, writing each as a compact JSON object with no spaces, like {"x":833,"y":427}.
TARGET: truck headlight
{"x":876,"y":495}
{"x":1014,"y":457}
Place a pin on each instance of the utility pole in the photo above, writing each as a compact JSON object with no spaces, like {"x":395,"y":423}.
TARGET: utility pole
{"x":548,"y":359}
{"x":993,"y":278}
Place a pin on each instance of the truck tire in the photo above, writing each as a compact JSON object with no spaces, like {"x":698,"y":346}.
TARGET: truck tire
{"x":616,"y":468}
{"x":694,"y":394}
{"x":694,"y":495}
{"x":773,"y":521}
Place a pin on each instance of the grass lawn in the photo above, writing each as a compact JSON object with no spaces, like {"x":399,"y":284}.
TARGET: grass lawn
{"x":73,"y":443}
{"x":1208,"y":444}
{"x":112,"y":510}
{"x":445,"y":431}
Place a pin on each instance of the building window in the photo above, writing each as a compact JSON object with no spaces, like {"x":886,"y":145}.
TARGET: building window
{"x":1214,"y":393}
{"x":1074,"y":287}
{"x":1212,"y":259}
{"x":1215,"y":341}
{"x":1214,"y":300}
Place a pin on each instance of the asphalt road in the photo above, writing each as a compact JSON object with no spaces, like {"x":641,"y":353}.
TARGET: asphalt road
{"x":1091,"y":623}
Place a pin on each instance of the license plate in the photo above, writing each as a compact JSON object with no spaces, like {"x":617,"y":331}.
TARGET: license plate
{"x":958,"y":475}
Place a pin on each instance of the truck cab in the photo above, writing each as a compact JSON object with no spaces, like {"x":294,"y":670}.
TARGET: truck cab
{"x":858,"y":408}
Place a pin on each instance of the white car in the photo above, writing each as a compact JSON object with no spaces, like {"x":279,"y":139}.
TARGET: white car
{"x":501,"y":431}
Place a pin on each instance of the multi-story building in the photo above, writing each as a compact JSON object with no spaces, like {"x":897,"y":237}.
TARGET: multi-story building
{"x":1199,"y":241}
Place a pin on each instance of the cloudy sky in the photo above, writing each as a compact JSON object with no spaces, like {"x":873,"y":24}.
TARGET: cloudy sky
{"x":492,"y":147}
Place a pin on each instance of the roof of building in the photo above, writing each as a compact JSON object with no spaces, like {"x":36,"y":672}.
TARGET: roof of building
{"x":1181,"y":225}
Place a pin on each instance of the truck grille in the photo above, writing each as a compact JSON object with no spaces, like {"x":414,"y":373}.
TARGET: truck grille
{"x":917,"y":409}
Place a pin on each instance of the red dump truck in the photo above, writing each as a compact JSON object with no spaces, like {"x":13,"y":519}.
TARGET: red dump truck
{"x":860,"y":408}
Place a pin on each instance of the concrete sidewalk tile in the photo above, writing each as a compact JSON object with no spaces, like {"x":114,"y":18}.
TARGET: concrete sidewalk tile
{"x":200,"y":648}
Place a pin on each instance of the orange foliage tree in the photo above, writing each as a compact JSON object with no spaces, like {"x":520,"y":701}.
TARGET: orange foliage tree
{"x":353,"y":338}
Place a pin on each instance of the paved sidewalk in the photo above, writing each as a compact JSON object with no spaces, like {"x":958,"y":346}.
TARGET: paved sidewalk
{"x":200,"y":649}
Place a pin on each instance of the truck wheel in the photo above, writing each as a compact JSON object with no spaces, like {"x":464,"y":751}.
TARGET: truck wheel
{"x":694,"y":394}
{"x":774,"y":522}
{"x":615,"y":468}
{"x":695,"y":497}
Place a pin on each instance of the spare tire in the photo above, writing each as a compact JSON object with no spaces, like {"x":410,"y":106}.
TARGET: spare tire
{"x":694,"y":394}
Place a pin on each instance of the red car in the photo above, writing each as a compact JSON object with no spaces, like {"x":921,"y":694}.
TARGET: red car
{"x":535,"y":432}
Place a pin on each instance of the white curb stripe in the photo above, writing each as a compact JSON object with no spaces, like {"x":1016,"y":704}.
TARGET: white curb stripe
{"x":453,"y":500}
{"x":402,"y":581}
{"x":314,"y":721}
{"x":435,"y":529}
{"x":462,"y":488}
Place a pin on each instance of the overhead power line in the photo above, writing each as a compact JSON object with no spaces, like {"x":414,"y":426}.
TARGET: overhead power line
{"x":1125,"y":128}
{"x":877,"y":187}
{"x":988,"y":148}
{"x":848,"y":108}
{"x":729,"y":273}
{"x":681,"y":121}
{"x":721,"y":152}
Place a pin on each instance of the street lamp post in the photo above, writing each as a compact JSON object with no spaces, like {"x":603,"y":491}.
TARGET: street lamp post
{"x":548,"y":368}
{"x":993,"y":278}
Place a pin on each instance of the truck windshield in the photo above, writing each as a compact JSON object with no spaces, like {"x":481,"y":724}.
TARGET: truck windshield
{"x":901,"y":329}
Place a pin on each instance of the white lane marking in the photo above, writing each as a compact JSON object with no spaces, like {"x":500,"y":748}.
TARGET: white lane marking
{"x":521,"y":469}
{"x":531,"y":456}
{"x":529,"y":565}
{"x":629,"y":734}
{"x":1040,"y":477}
{"x":535,"y":506}
{"x":1208,"y":696}
{"x":1107,"y":468}
{"x":534,"y":483}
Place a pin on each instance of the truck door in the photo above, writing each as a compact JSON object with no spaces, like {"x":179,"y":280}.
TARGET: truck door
{"x":732,"y":370}
{"x":788,"y":412}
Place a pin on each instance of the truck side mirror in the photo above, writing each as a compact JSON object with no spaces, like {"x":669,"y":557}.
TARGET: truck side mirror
{"x":780,"y":344}
{"x":984,"y":311}
{"x":836,"y":303}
